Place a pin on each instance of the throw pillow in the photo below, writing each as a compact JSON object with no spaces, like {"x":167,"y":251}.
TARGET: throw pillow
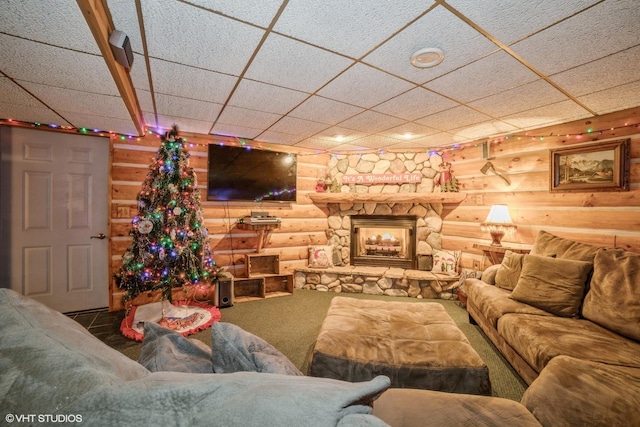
{"x":234,"y":349}
{"x":166,"y":350}
{"x":446,"y":261}
{"x":509,"y":272}
{"x":613,"y":300}
{"x":552,"y":284}
{"x":320,"y":256}
{"x":548,"y":244}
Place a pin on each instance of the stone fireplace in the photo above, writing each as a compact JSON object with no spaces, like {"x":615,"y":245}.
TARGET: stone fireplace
{"x":383,"y":241}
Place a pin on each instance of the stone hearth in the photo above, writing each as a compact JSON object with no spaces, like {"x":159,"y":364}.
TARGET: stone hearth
{"x":397,"y":282}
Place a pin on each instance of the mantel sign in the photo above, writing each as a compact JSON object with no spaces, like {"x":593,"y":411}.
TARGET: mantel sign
{"x":381,"y":178}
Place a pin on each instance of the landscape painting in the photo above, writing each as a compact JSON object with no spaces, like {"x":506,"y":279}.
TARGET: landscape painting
{"x":602,"y":166}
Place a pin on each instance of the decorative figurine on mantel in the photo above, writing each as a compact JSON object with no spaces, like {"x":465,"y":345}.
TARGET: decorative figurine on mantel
{"x":445,"y":179}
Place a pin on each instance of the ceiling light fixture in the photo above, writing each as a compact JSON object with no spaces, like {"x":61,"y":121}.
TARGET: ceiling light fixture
{"x":427,"y":58}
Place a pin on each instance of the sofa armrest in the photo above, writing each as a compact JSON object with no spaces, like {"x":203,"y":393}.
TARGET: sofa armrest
{"x":489,"y":274}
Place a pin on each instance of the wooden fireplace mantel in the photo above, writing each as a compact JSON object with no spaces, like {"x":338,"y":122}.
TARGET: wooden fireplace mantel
{"x":387,"y":197}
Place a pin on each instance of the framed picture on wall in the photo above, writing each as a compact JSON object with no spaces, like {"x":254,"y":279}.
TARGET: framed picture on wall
{"x":602,"y":166}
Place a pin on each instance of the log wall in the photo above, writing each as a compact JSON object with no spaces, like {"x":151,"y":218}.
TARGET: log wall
{"x":602,"y":218}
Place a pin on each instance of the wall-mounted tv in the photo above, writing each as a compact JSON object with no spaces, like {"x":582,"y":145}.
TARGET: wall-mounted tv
{"x":250,"y":174}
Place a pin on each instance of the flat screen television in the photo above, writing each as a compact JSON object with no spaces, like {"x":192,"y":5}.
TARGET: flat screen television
{"x":250,"y":174}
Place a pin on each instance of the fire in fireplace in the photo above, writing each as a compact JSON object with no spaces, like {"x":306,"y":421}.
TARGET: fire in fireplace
{"x":383,"y":240}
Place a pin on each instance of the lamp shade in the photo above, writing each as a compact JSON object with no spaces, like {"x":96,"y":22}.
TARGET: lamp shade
{"x":499,"y":214}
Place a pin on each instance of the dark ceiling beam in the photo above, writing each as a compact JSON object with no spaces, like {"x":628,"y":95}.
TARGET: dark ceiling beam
{"x":99,"y":20}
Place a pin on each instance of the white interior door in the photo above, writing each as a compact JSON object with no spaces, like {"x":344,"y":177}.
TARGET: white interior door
{"x":56,"y":187}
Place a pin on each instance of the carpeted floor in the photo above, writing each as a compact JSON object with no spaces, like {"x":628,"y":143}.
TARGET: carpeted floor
{"x":291,"y":323}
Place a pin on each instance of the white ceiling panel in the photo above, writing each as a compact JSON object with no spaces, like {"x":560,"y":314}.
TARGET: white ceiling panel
{"x":417,"y":102}
{"x":187,"y":82}
{"x":364,"y":86}
{"x":288,"y":63}
{"x":494,"y":73}
{"x":437,"y":29}
{"x":325,"y":110}
{"x":521,"y":98}
{"x":301,"y":72}
{"x":512,"y":20}
{"x":352,"y":28}
{"x":371,"y":121}
{"x":606,"y":28}
{"x":453,"y":118}
{"x":189,"y":35}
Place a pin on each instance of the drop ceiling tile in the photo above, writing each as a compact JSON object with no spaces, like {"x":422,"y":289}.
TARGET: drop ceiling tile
{"x":584,"y":37}
{"x":181,"y":80}
{"x":324,"y":110}
{"x":317,"y":143}
{"x":602,"y":74}
{"x":365,"y":86}
{"x":371,"y":121}
{"x":351,"y":28}
{"x":346,"y":135}
{"x":441,"y":29}
{"x":55,"y":23}
{"x":199,"y":38}
{"x":418,"y":102}
{"x":30,"y":113}
{"x":183,"y":123}
{"x":264,"y":97}
{"x":238,"y":131}
{"x":298,"y":127}
{"x":256,"y":12}
{"x":512,"y":20}
{"x":347,"y":148}
{"x":295,"y":65}
{"x":61,"y":99}
{"x":144,"y":99}
{"x":547,"y":115}
{"x":614,"y":99}
{"x":521,"y":98}
{"x":274,"y":137}
{"x":17,"y":95}
{"x":373,"y":141}
{"x":247,"y":118}
{"x":407,"y":132}
{"x":39,"y":63}
{"x":183,"y":107}
{"x":149,"y":119}
{"x":453,"y":118}
{"x":441,"y":139}
{"x":482,"y":130}
{"x":138,"y":73}
{"x":492,"y":74}
{"x":99,"y":122}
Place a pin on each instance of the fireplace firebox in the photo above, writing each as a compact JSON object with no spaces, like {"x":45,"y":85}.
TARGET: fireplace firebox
{"x":383,"y":240}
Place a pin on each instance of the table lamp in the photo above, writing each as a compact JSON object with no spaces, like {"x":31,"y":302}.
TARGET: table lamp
{"x":498,"y":222}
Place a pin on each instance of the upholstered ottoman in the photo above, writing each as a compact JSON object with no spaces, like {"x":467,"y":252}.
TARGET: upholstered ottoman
{"x":417,"y":345}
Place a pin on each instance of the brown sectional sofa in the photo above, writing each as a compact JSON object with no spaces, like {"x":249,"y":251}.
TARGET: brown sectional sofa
{"x":567,"y":318}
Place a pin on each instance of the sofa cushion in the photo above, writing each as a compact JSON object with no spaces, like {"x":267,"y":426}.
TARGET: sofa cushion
{"x":166,"y":350}
{"x":613,"y":300}
{"x":446,"y":261}
{"x":509,"y":272}
{"x":572,"y":392}
{"x":548,"y":244}
{"x":48,"y":361}
{"x":539,"y":339}
{"x":553,"y":285}
{"x":234,"y":349}
{"x":494,"y":302}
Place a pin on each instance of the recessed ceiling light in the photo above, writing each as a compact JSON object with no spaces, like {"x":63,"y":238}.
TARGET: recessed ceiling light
{"x":427,"y":58}
{"x":339,"y":138}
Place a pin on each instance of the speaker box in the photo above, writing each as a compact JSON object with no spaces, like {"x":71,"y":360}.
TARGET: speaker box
{"x":224,"y":292}
{"x":121,"y":48}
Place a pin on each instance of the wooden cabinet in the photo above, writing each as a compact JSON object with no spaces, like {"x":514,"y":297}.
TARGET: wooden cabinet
{"x":496,"y":253}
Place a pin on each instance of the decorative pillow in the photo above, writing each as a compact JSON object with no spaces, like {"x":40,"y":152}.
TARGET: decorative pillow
{"x":166,"y":350}
{"x":320,"y":256}
{"x":234,"y":349}
{"x":547,"y":243}
{"x":446,"y":261}
{"x":613,"y":300}
{"x":509,"y":272}
{"x":552,"y":284}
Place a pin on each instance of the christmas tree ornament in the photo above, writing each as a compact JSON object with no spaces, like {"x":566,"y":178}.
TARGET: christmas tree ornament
{"x":145,"y":227}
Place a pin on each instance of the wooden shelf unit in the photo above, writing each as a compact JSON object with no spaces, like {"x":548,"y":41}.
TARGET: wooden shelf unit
{"x":263,"y":277}
{"x":496,"y":253}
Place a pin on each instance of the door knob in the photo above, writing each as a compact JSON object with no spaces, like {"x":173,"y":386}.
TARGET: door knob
{"x":99,"y":236}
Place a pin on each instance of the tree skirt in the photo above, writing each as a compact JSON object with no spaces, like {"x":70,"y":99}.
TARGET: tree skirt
{"x":184,"y":317}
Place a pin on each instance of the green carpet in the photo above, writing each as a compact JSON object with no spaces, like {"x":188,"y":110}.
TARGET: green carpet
{"x":291,"y":324}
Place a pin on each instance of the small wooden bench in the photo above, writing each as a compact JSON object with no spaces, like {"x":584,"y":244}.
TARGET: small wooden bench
{"x":415,"y":344}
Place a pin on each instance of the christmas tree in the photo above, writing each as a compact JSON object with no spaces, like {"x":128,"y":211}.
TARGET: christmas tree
{"x":169,"y":248}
